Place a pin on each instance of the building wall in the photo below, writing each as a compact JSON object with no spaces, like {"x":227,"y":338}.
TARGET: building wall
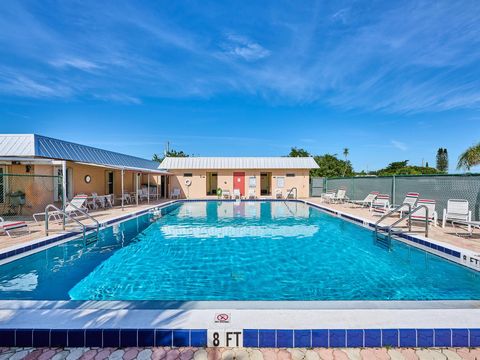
{"x":198,"y":187}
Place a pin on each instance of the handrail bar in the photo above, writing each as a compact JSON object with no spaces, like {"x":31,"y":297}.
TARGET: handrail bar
{"x":409,"y":216}
{"x":290,"y":191}
{"x":64,"y":214}
{"x":87,"y":215}
{"x":394,"y":210}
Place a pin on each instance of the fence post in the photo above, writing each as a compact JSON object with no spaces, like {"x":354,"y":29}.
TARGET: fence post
{"x":64,"y":189}
{"x":353,"y":188}
{"x":393,"y":190}
{"x":325,"y":184}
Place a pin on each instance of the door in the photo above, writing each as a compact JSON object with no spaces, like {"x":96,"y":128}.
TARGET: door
{"x":109,"y":183}
{"x":239,"y":182}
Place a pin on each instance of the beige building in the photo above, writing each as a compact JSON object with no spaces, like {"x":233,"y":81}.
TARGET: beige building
{"x":203,"y":177}
{"x":32,"y":169}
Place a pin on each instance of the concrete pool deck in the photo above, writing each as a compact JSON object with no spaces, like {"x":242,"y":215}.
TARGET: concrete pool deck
{"x":447,"y":235}
{"x":102,"y":215}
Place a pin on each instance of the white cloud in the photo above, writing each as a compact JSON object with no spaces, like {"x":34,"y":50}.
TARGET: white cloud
{"x":77,"y":63}
{"x":399,"y":145}
{"x":243,"y":47}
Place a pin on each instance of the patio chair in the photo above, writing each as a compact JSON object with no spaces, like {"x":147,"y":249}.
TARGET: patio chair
{"x":339,"y":197}
{"x":237,"y":194}
{"x":420,"y":215}
{"x":72,"y":209}
{"x":278,"y":194}
{"x":175,"y":193}
{"x":328,"y":195}
{"x":93,"y":202}
{"x":410,"y":199}
{"x":381,"y":204}
{"x":457,"y":209}
{"x":226,"y":194}
{"x":142,"y":194}
{"x":365,"y":202}
{"x":8,"y":226}
{"x":251,"y":194}
{"x":471,"y":225}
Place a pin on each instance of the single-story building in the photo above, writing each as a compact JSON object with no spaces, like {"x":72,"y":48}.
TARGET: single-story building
{"x":32,"y":168}
{"x":202,"y":177}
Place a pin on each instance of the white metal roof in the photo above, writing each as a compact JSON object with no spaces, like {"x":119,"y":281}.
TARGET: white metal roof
{"x":171,"y":163}
{"x":37,"y":146}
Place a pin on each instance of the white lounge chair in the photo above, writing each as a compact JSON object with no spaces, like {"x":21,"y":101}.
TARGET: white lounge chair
{"x":328,"y":195}
{"x":339,"y":197}
{"x":8,"y":226}
{"x":381,"y":204}
{"x":410,"y":199}
{"x":237,"y":194}
{"x":421,"y":215}
{"x":251,"y":194}
{"x":471,"y":225}
{"x":457,"y":209}
{"x":175,"y":193}
{"x":278,"y":194}
{"x":367,"y":201}
{"x":73,"y":208}
{"x":226,"y":194}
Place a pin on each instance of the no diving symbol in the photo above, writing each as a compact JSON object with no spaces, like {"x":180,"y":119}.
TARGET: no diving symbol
{"x":222,"y":318}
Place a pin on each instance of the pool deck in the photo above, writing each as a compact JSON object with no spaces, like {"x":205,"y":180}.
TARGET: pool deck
{"x":447,"y":235}
{"x":102,"y":215}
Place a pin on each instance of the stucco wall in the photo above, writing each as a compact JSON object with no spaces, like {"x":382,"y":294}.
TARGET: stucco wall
{"x":198,"y":187}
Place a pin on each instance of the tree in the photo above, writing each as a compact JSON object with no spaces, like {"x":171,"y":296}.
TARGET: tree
{"x":169,"y":153}
{"x":331,"y":166}
{"x":469,"y":158}
{"x":402,"y":168}
{"x":345,"y":154}
{"x":442,"y":160}
{"x":296,"y":152}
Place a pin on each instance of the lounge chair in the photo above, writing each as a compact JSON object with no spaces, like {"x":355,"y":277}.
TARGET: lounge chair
{"x":251,"y":194}
{"x":339,"y":197}
{"x":420,"y":215}
{"x":8,"y":226}
{"x":410,"y":199}
{"x":278,"y":194}
{"x":237,"y":194}
{"x":381,"y":204}
{"x":457,"y":209}
{"x":365,"y":202}
{"x":73,"y":208}
{"x":175,"y":193}
{"x":94,"y":201}
{"x":471,"y":225}
{"x":328,"y":195}
{"x":226,"y":194}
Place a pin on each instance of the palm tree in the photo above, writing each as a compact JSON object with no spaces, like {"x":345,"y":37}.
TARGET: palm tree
{"x":469,"y":158}
{"x":345,"y":154}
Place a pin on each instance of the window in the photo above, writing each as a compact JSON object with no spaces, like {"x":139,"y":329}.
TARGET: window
{"x":280,"y":182}
{"x":252,"y":182}
{"x":57,"y":195}
{"x":290,"y":175}
{"x":109,"y":182}
{"x":187,"y":175}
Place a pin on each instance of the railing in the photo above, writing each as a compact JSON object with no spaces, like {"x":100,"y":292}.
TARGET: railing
{"x":290,"y":193}
{"x":67,"y":215}
{"x":390,"y":227}
{"x":87,"y":215}
{"x":394,"y":210}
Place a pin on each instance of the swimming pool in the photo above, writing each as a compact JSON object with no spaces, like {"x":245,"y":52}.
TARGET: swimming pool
{"x":251,"y":250}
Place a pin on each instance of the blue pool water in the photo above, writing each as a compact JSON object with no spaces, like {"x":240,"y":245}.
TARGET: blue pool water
{"x":228,"y":251}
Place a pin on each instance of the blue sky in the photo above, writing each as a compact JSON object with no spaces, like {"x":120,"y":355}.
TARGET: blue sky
{"x":390,"y":80}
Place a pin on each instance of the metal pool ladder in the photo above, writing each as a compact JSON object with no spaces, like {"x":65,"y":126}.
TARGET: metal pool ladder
{"x":391,"y":230}
{"x":290,"y":193}
{"x":84,"y":227}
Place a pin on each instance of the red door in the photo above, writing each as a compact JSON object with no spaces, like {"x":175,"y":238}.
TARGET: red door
{"x":239,"y":182}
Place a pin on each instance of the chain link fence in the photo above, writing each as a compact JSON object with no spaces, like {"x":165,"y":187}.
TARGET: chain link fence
{"x":23,"y":195}
{"x":317,"y":186}
{"x":437,"y":187}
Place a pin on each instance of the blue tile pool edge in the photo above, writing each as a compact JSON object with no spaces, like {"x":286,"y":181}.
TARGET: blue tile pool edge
{"x":276,"y":338}
{"x":48,"y":241}
{"x":465,"y":258}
